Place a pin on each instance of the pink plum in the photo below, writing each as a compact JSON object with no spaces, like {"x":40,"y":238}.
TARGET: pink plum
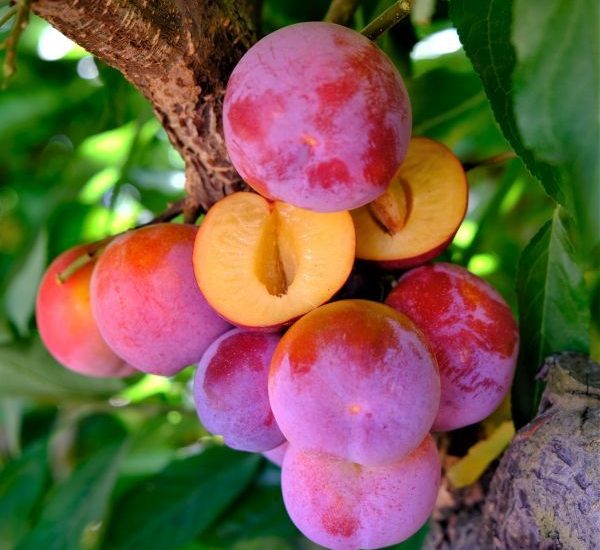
{"x":277,"y":454}
{"x":146,"y":301}
{"x":230,"y":390}
{"x":472,"y":332}
{"x":354,"y":379}
{"x":66,"y":324}
{"x":345,"y":506}
{"x":316,"y":115}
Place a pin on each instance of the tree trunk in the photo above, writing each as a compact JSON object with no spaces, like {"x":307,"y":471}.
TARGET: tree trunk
{"x":179,"y":54}
{"x":545,"y":491}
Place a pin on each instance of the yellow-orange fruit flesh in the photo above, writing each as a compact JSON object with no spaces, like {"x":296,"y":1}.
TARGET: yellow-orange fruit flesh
{"x":262,"y":263}
{"x":420,"y":212}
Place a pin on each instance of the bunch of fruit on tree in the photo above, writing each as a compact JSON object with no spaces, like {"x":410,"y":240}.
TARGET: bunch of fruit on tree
{"x":343,"y":394}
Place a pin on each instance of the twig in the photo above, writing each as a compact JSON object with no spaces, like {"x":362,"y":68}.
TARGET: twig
{"x":341,"y":11}
{"x":22,"y":19}
{"x":495,"y":159}
{"x":95,"y":249}
{"x":390,"y":17}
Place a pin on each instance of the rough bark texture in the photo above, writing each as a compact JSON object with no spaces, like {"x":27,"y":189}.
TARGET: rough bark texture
{"x":545,"y":492}
{"x":179,"y":54}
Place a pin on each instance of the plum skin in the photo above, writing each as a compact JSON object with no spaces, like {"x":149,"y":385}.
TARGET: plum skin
{"x":230,"y":390}
{"x":66,"y":324}
{"x":329,"y":134}
{"x":147,"y":304}
{"x":472,"y":332}
{"x":354,"y":380}
{"x":344,"y":506}
{"x":277,"y":454}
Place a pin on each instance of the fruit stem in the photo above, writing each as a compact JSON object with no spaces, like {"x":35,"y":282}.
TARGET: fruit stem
{"x":341,"y":11}
{"x":95,"y":249}
{"x":79,"y":262}
{"x":385,"y":21}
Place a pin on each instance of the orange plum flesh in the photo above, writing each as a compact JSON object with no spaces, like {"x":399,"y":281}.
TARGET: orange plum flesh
{"x":418,"y":216}
{"x":262,"y":264}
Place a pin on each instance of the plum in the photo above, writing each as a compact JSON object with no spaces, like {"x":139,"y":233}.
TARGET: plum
{"x":316,"y":115}
{"x":345,"y":506}
{"x":230,"y":390}
{"x":146,"y":301}
{"x":67,"y":327}
{"x":277,"y":454}
{"x":354,"y":379}
{"x":472,"y":332}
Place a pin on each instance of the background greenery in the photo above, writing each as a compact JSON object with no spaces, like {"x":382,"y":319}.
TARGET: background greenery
{"x":90,"y":463}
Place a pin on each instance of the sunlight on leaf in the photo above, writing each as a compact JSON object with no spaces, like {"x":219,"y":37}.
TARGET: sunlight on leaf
{"x":513,"y":195}
{"x":149,"y":385}
{"x":98,"y":184}
{"x":484,"y":264}
{"x":109,"y":147}
{"x":465,"y":234}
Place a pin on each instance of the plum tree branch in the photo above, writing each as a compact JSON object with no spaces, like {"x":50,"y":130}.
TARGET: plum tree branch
{"x":179,"y":54}
{"x":386,"y":20}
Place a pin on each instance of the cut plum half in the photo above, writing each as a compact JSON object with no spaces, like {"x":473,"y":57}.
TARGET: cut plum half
{"x":417,"y":217}
{"x":262,"y":263}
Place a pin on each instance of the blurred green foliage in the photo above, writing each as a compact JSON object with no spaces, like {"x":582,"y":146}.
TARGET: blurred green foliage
{"x":87,"y":463}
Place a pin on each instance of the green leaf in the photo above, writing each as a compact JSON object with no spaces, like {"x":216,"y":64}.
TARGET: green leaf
{"x":170,"y":509}
{"x":556,"y":95}
{"x":22,"y":290}
{"x":11,"y":418}
{"x":484,"y":27}
{"x":460,"y":117}
{"x":554,"y":310}
{"x":259,"y":513}
{"x":27,"y":370}
{"x":75,"y":508}
{"x":21,"y":484}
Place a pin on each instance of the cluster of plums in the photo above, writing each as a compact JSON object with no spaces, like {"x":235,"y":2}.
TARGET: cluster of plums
{"x":317,"y":121}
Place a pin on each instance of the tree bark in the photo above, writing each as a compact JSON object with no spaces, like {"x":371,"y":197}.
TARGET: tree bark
{"x":179,"y":54}
{"x":545,"y":491}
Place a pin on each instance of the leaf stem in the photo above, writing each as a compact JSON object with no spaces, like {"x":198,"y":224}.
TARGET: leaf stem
{"x":385,"y":21}
{"x":341,"y":11}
